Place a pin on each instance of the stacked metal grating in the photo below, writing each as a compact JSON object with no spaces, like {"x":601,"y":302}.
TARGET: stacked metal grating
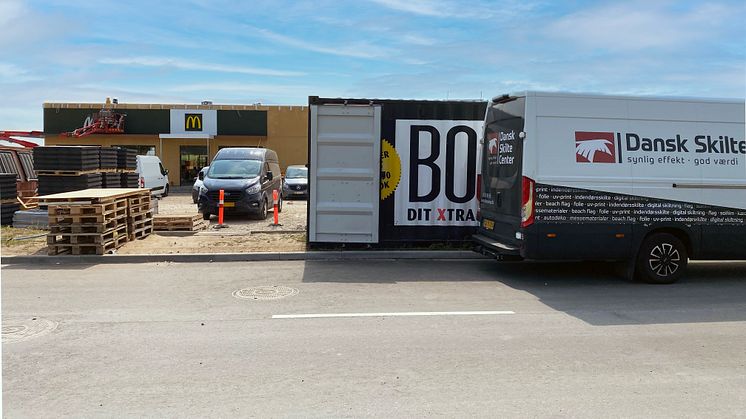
{"x":65,"y":169}
{"x":8,"y":202}
{"x":51,"y":184}
{"x":126,"y":159}
{"x":66,"y":159}
{"x":111,"y":180}
{"x":109,"y":158}
{"x":129,"y":180}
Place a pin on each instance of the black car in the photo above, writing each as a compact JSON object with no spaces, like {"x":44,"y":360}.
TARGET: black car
{"x":247,"y":177}
{"x":295,"y":183}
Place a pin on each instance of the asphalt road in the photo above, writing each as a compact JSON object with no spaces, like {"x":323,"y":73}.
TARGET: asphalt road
{"x":171,"y":340}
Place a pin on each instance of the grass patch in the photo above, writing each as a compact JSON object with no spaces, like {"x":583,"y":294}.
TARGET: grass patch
{"x":11,"y":236}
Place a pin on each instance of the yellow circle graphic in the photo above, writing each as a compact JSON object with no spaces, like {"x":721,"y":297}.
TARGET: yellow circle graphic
{"x":390,"y":169}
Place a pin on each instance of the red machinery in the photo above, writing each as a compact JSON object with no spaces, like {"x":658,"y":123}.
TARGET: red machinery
{"x":105,"y":121}
{"x":6,"y":136}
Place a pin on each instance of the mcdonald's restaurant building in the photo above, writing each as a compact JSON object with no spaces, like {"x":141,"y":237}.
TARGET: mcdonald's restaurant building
{"x":186,"y":137}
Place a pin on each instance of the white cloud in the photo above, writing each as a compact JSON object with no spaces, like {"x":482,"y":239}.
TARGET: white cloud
{"x":10,"y":10}
{"x":356,"y":50}
{"x":148,"y":61}
{"x":636,"y":25}
{"x":418,"y":7}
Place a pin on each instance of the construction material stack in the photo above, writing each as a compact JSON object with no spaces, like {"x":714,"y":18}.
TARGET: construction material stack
{"x":8,"y":198}
{"x":96,"y":221}
{"x":63,"y":169}
{"x":108,"y":163}
{"x":192,"y":222}
{"x":139,"y":216}
{"x":127,"y":168}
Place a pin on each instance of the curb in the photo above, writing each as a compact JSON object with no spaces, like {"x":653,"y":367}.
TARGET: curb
{"x":244,"y":257}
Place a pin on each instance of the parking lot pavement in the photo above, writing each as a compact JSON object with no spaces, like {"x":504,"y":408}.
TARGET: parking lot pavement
{"x":448,"y":338}
{"x":292,"y":217}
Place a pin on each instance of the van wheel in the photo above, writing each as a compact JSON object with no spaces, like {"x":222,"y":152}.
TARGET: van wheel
{"x":263,"y":210}
{"x":662,"y":259}
{"x":165,"y":191}
{"x":205,"y":215}
{"x":279,"y":204}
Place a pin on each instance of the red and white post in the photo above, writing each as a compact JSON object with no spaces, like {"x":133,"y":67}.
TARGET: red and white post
{"x":276,"y":199}
{"x":220,"y":207}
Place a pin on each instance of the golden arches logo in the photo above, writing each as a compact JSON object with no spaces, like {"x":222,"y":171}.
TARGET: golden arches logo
{"x":193,"y":122}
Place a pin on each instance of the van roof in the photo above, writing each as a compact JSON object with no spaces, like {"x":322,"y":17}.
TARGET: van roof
{"x":245,"y":153}
{"x":623,"y":97}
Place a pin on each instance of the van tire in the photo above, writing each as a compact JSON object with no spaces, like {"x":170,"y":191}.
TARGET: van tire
{"x":662,"y":259}
{"x":206,"y":215}
{"x":165,"y":191}
{"x":263,"y":210}
{"x":279,"y":204}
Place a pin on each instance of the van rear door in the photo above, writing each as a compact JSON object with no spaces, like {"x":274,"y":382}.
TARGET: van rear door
{"x":502,"y":158}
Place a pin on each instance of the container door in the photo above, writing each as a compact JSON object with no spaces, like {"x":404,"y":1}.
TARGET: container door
{"x":345,"y":143}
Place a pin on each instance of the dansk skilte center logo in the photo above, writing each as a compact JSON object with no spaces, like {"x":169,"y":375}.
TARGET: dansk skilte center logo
{"x":594,"y":147}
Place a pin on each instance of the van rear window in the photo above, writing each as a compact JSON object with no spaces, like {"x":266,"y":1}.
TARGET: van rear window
{"x":504,"y":147}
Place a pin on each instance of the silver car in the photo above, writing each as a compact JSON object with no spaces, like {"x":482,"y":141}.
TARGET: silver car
{"x":295,"y":183}
{"x":198,"y":184}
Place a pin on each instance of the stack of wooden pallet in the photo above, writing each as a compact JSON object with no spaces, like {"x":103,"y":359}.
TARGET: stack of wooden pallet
{"x":139,"y":216}
{"x":179,"y":222}
{"x":96,"y":221}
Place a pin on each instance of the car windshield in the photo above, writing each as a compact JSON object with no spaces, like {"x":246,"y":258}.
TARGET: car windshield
{"x":234,"y":169}
{"x":297,"y":173}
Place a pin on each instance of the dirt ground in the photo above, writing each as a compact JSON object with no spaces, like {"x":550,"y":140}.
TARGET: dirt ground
{"x":241,"y":234}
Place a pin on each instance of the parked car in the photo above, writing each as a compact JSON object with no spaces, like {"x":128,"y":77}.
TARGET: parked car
{"x":198,"y":184}
{"x":247,"y":176}
{"x":153,"y":175}
{"x":295,"y":183}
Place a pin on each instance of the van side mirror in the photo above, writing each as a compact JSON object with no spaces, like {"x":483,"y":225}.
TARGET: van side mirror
{"x":269,"y":176}
{"x":201,"y":176}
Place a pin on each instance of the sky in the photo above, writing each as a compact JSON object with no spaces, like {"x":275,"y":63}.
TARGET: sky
{"x":281,"y":52}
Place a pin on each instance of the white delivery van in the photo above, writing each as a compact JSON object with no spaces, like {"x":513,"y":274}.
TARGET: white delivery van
{"x":153,"y":175}
{"x":652,"y":181}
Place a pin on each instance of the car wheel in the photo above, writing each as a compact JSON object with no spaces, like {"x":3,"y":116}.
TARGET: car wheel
{"x":662,"y":259}
{"x":205,"y":215}
{"x":195,"y":199}
{"x":165,"y":191}
{"x":279,"y":204}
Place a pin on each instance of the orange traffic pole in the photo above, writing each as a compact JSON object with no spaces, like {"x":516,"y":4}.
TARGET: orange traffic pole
{"x":276,"y":198}
{"x":220,"y":207}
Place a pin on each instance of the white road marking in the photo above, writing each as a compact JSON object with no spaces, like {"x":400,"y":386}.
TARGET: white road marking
{"x":402,"y":314}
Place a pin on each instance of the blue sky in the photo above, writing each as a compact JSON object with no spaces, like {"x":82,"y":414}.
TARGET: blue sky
{"x":280,"y":52}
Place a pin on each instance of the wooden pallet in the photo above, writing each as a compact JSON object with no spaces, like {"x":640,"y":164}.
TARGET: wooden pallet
{"x":140,"y":233}
{"x":126,"y":170}
{"x":141,"y":222}
{"x":178,"y":223}
{"x":9,"y":201}
{"x":86,"y":238}
{"x":87,"y":249}
{"x":68,"y":172}
{"x":139,"y":208}
{"x":92,"y":196}
{"x":99,"y":228}
{"x":87,"y":209}
{"x":102,"y":218}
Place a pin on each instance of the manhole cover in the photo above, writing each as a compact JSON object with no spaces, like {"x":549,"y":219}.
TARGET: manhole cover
{"x":269,"y":292}
{"x":19,"y":330}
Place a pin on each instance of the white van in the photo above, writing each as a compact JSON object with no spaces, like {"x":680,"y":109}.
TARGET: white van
{"x":153,"y":175}
{"x":652,"y":181}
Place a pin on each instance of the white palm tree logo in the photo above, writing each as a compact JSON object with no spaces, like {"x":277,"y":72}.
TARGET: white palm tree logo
{"x":589,"y":148}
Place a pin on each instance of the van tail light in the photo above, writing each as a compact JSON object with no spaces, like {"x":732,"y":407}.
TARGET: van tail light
{"x":527,"y":202}
{"x":141,"y":182}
